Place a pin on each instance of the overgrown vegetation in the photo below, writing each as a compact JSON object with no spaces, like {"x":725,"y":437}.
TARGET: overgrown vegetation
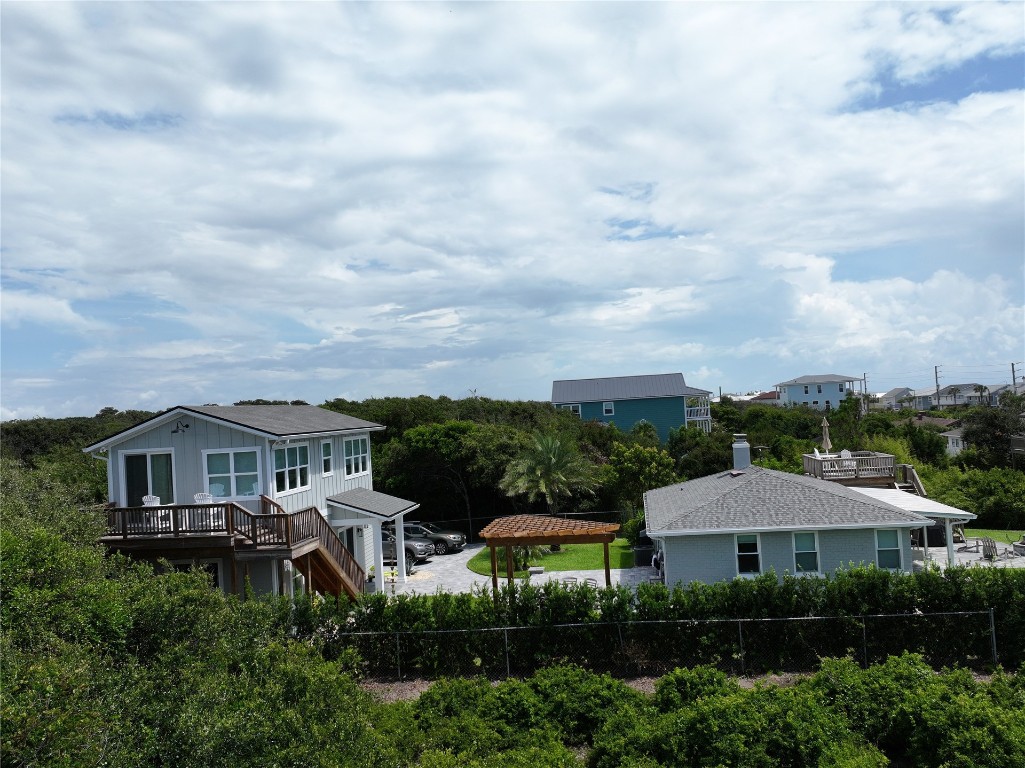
{"x":107,"y":663}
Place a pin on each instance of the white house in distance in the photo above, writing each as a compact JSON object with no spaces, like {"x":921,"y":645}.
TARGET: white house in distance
{"x":824,"y":391}
{"x":273,"y":494}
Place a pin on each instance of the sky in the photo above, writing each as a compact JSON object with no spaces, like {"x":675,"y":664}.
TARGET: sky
{"x":210,"y":202}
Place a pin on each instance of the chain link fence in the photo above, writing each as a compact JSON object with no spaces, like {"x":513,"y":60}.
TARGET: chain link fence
{"x":741,"y":647}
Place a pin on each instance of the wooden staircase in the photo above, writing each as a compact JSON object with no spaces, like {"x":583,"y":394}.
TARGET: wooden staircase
{"x":907,"y":479}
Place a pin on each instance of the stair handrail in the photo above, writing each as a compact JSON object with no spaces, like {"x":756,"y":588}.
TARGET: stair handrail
{"x":318,"y":527}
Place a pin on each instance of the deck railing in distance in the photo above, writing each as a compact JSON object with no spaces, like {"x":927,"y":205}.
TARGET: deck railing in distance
{"x":859,"y":465}
{"x":176,"y":520}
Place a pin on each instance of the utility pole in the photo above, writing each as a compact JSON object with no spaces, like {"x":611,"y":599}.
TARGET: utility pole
{"x":864,"y":393}
{"x":1014,"y":381}
{"x":936,"y":372}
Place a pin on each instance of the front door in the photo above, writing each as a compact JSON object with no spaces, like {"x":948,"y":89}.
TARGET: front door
{"x":148,"y":474}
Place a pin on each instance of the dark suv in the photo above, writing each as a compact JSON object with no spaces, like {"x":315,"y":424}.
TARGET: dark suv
{"x":417,"y":549}
{"x":444,"y":541}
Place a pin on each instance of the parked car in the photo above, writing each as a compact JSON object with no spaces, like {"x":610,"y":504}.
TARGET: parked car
{"x":417,"y":550}
{"x":444,"y":541}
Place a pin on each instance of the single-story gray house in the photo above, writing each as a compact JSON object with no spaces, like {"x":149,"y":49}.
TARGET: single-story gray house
{"x":748,"y":520}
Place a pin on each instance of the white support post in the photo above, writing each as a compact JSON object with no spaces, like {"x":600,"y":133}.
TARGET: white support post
{"x":925,"y":544}
{"x":950,"y":542}
{"x":375,"y":528}
{"x":400,"y":549}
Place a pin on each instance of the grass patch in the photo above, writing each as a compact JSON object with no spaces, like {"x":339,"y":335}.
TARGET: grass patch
{"x":1003,"y":537}
{"x":573,"y":557}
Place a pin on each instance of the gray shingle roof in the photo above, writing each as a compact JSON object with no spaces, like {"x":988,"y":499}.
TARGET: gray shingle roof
{"x":285,"y":420}
{"x":278,"y":421}
{"x":819,"y":378}
{"x":623,"y":388}
{"x":764,"y":499}
{"x":380,"y":504}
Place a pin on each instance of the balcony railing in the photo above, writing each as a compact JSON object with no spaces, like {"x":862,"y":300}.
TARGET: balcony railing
{"x":700,"y":412}
{"x":859,"y":465}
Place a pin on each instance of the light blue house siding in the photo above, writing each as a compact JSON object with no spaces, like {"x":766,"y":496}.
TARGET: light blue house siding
{"x":187,"y":447}
{"x":713,"y":557}
{"x":664,"y":413}
{"x":820,"y":396}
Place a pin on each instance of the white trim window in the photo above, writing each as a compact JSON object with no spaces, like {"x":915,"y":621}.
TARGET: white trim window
{"x":327,"y":459}
{"x":357,"y":456}
{"x":147,"y":472}
{"x":749,"y":561}
{"x":291,"y":468}
{"x":888,"y":549}
{"x":573,"y":408}
{"x":232,"y":474}
{"x":806,"y":389}
{"x":608,"y":409}
{"x":806,"y":552}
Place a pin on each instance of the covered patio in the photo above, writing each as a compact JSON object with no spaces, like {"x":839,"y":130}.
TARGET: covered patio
{"x":538,"y":530}
{"x":360,"y":508}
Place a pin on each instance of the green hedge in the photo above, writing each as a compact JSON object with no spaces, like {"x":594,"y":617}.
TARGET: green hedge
{"x":845,"y":596}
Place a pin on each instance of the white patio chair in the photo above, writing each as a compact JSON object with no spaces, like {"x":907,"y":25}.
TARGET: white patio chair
{"x":151,"y":501}
{"x":204,"y":498}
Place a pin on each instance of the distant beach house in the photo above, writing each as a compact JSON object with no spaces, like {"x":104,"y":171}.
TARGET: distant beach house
{"x":898,"y":398}
{"x":823,"y":392}
{"x":278,"y":495}
{"x":662,"y":399}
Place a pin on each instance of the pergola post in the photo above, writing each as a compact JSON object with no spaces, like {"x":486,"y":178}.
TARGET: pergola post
{"x":951,"y":559}
{"x":608,"y":572}
{"x":494,"y":569}
{"x":509,"y":563}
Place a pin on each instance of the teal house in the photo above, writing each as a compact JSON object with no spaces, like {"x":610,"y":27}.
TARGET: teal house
{"x":663,"y":399}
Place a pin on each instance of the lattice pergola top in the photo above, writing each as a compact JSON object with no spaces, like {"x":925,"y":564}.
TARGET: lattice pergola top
{"x":526,"y":530}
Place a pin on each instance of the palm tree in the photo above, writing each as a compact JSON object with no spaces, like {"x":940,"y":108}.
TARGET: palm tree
{"x":980,"y":390}
{"x":548,"y":468}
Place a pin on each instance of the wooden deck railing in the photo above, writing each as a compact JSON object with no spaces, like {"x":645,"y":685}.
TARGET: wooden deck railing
{"x":278,"y":528}
{"x":176,"y":520}
{"x":859,"y":465}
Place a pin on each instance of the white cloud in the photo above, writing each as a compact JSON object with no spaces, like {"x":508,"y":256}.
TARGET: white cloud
{"x":396,"y":198}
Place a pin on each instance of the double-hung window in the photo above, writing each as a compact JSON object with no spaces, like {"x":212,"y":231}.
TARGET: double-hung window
{"x":888,"y":549}
{"x":291,"y":468}
{"x":608,"y":409}
{"x":573,"y":408}
{"x":326,"y":458}
{"x":806,"y":389}
{"x":357,"y":456}
{"x":818,"y":388}
{"x":748,"y":559}
{"x":806,"y":552}
{"x":233,"y":474}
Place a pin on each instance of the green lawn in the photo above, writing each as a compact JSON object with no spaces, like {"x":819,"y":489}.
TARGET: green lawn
{"x":1003,"y":537}
{"x":573,"y":557}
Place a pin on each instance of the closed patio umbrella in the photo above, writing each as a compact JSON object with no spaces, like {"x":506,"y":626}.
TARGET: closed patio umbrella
{"x":827,"y":444}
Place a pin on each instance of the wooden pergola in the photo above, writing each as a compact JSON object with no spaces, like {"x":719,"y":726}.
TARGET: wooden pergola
{"x":530,"y":530}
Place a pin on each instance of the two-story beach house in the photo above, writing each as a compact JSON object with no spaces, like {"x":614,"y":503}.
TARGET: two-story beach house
{"x":662,"y":399}
{"x":823,"y":391}
{"x":279,"y":496}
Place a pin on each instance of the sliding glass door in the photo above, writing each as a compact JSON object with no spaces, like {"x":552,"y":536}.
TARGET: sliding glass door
{"x":149,"y":474}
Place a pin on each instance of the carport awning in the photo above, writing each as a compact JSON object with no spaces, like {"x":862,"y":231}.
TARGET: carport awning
{"x":373,"y":503}
{"x":911,"y":502}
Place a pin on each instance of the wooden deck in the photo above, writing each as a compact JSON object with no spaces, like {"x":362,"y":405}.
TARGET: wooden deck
{"x":864,"y":468}
{"x":272,"y":532}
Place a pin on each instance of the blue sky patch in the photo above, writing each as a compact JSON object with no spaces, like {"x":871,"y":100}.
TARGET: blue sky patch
{"x":983,"y":74}
{"x":633,"y":230}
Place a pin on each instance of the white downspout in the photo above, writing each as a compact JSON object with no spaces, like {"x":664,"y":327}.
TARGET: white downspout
{"x":950,"y":542}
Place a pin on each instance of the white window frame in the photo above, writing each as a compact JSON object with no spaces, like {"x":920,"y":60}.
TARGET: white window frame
{"x":350,"y":460}
{"x":757,"y":553}
{"x":232,"y":495}
{"x":608,"y":409}
{"x":327,"y":461}
{"x":899,"y":549}
{"x":841,"y":386}
{"x":806,"y":389}
{"x":573,"y":408}
{"x":818,"y":559}
{"x":149,"y":473}
{"x":298,"y":467}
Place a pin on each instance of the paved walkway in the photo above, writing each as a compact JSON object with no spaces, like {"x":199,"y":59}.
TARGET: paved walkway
{"x":449,"y":573}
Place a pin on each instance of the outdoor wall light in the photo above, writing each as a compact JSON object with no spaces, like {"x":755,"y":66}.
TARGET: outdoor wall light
{"x":179,"y":426}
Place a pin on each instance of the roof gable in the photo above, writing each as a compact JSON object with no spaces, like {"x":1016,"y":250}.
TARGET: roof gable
{"x":763,"y":499}
{"x":623,"y":388}
{"x":273,"y":421}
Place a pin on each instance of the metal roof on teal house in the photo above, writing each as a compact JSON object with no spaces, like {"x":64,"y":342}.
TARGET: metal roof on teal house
{"x":663,"y":399}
